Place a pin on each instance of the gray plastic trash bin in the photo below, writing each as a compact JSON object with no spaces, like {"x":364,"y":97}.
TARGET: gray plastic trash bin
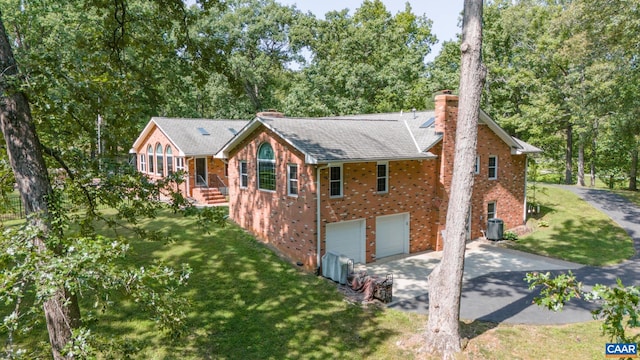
{"x":495,"y":229}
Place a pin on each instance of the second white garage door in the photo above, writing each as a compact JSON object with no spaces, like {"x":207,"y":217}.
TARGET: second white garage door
{"x":347,"y":238}
{"x":392,"y":235}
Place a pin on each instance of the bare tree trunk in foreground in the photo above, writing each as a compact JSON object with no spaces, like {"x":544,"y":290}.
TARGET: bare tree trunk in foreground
{"x":445,"y":282}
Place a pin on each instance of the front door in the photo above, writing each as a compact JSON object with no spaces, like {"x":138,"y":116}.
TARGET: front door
{"x":201,"y":172}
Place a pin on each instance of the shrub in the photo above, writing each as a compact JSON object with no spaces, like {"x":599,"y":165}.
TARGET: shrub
{"x":510,"y":235}
{"x":543,"y":223}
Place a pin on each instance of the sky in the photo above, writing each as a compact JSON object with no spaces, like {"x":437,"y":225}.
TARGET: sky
{"x":443,"y":13}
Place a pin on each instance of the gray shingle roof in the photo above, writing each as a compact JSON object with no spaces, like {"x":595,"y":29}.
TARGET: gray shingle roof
{"x":185,"y":135}
{"x":424,"y":137}
{"x":370,"y":137}
{"x":348,"y":138}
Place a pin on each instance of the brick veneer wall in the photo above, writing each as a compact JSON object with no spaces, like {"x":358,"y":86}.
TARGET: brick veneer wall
{"x":289,"y":223}
{"x":153,"y":138}
{"x":420,"y":188}
{"x":507,"y":191}
{"x":412,"y":188}
{"x":285,"y":222}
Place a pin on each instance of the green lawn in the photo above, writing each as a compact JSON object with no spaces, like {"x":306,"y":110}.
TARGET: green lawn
{"x":246,"y":303}
{"x":569,"y":228}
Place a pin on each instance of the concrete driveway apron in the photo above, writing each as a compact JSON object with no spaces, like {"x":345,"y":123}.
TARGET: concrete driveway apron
{"x":494,"y":289}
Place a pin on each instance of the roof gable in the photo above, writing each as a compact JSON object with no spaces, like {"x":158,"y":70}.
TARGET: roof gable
{"x":325,"y":140}
{"x":369,"y":137}
{"x":193,"y":137}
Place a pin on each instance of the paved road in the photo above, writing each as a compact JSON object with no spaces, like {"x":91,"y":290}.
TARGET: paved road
{"x":494,"y":289}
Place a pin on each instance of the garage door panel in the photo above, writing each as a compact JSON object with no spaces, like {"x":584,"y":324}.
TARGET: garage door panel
{"x":346,"y":238}
{"x":392,"y":235}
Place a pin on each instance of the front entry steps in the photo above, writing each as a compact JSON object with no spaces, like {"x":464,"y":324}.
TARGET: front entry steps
{"x":209,"y":196}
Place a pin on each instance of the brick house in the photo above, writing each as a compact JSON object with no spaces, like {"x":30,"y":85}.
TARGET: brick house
{"x":367,"y":186}
{"x":168,"y":145}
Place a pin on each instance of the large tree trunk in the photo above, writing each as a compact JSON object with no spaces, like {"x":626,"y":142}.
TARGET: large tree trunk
{"x":30,"y":171}
{"x":633,"y":173}
{"x":445,"y":282}
{"x":568,"y":161}
{"x":581,"y":161}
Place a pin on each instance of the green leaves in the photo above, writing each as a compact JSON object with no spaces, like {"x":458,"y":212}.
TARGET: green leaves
{"x":555,"y":292}
{"x":618,"y":305}
{"x":371,"y":62}
{"x":619,"y":310}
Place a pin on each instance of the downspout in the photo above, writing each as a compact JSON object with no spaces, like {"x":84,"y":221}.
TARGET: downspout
{"x":526,"y":170}
{"x":318,"y":218}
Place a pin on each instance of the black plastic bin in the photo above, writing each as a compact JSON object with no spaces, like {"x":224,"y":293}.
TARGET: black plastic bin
{"x":495,"y":229}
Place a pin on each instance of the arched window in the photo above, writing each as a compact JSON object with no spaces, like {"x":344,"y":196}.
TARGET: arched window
{"x":266,"y":168}
{"x":150,"y":157}
{"x":169,"y":154}
{"x":159,"y":161}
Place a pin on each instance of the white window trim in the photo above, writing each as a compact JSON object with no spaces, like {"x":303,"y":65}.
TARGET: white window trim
{"x":386,"y":177}
{"x":152,"y":158}
{"x":169,"y":159}
{"x":477,"y":169}
{"x":290,"y":180}
{"x":179,"y":163}
{"x":143,"y":163}
{"x":495,"y":209}
{"x":159,"y":156}
{"x":245,"y":174}
{"x":273,"y":161}
{"x":489,"y":167}
{"x":340,"y":180}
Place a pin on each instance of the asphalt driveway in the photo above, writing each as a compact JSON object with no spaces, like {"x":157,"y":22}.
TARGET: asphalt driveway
{"x":493,"y":286}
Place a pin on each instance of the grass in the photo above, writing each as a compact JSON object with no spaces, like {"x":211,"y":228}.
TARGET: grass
{"x":568,"y":228}
{"x":247,"y":303}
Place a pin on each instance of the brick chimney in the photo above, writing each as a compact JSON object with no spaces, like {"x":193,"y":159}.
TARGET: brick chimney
{"x":270,"y":113}
{"x":446,"y":115}
{"x":446,"y":111}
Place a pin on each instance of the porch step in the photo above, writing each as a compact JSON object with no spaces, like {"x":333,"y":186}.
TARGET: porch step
{"x":211,"y":196}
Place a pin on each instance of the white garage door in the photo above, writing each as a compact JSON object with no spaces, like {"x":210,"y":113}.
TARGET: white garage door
{"x":392,"y":235}
{"x":347,"y":238}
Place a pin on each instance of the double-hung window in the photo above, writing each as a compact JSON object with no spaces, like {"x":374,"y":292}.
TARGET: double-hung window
{"x":179,"y":164}
{"x":335,"y":181}
{"x":382,"y":172}
{"x":292,"y":180}
{"x":244,"y":176}
{"x":477,"y":169}
{"x":143,"y":162}
{"x":266,"y":168}
{"x":150,"y":157}
{"x":491,"y":210}
{"x":493,"y":167}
